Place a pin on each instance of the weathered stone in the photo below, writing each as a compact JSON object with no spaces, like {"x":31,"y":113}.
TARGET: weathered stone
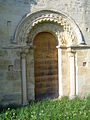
{"x":17,"y":32}
{"x":14,"y":98}
{"x":17,"y":64}
{"x":17,"y":86}
{"x":3,"y":53}
{"x":13,"y":75}
{"x":2,"y":76}
{"x":4,"y":64}
{"x":82,"y":70}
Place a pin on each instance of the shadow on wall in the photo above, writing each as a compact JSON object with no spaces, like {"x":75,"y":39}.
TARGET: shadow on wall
{"x":32,"y":2}
{"x":26,"y":9}
{"x":27,"y":3}
{"x":83,"y":38}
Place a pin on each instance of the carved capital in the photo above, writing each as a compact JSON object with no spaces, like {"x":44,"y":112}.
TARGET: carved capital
{"x":23,"y":55}
{"x":62,"y":39}
{"x":24,"y":51}
{"x":71,"y":52}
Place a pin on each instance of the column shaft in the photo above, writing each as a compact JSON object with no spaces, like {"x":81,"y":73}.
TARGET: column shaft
{"x":72,"y":75}
{"x":60,"y":72}
{"x":23,"y":73}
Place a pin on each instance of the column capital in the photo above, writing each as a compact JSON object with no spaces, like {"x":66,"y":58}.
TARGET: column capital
{"x":23,"y":55}
{"x":23,"y":52}
{"x":71,"y":52}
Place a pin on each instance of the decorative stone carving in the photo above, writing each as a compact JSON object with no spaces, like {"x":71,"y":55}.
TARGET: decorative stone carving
{"x":31,"y":20}
{"x":24,"y":51}
{"x":48,"y":27}
{"x":63,"y":39}
{"x":71,"y":52}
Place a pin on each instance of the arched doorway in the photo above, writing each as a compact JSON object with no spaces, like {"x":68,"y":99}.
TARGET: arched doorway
{"x":45,"y":66}
{"x":68,"y":35}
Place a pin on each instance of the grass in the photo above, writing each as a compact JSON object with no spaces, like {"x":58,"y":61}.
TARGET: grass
{"x":64,"y":109}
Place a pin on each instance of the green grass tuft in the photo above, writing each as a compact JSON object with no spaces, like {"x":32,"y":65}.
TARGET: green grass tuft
{"x":64,"y":109}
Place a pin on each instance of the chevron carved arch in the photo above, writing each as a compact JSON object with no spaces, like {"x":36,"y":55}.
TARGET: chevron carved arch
{"x":23,"y":31}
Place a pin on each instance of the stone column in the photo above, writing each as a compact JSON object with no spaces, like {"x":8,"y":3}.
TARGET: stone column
{"x":23,"y":75}
{"x":60,"y":72}
{"x":77,"y":87}
{"x":72,"y":74}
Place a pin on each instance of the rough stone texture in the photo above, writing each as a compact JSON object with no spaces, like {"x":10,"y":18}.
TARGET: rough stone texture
{"x":76,"y":9}
{"x":30,"y":75}
{"x":10,"y":77}
{"x":65,"y":73}
{"x":11,"y":13}
{"x":83,"y":71}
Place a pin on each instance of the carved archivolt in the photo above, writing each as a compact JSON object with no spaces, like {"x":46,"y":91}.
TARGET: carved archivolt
{"x":70,"y":29}
{"x":44,"y":27}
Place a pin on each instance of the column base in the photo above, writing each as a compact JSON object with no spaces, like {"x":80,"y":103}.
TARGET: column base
{"x":72,"y":97}
{"x":59,"y":97}
{"x":25,"y":103}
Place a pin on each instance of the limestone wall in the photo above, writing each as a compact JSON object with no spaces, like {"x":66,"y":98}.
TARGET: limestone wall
{"x":78,"y":10}
{"x":11,"y":13}
{"x":30,"y":75}
{"x":10,"y":77}
{"x":83,"y":72}
{"x":65,"y":73}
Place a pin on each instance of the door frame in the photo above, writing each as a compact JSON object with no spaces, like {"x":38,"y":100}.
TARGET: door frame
{"x":34,"y":63}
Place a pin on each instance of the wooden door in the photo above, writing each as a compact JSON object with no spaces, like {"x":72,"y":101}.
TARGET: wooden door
{"x":45,"y":66}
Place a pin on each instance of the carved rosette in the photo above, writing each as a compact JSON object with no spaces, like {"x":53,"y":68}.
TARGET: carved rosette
{"x":28,"y":24}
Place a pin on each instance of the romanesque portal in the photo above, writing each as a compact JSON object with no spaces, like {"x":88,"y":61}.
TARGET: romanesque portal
{"x":48,"y":40}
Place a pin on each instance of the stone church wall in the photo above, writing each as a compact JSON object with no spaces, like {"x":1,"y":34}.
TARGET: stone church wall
{"x":83,"y":72}
{"x":11,"y":13}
